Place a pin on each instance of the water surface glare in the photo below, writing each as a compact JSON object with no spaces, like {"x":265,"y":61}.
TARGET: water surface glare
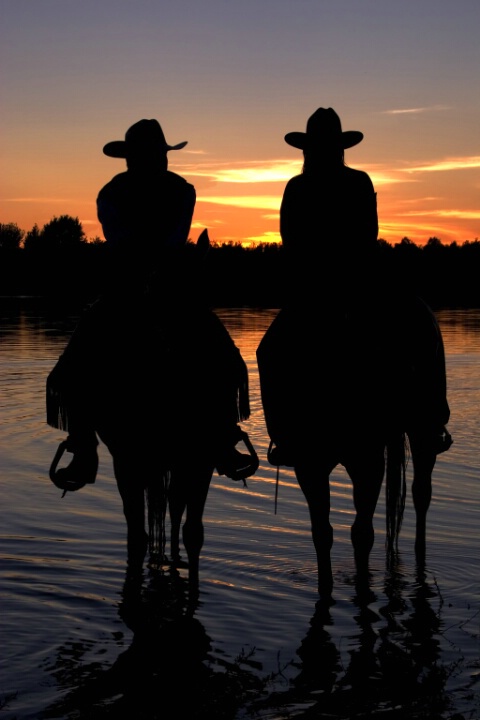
{"x":67,"y":616}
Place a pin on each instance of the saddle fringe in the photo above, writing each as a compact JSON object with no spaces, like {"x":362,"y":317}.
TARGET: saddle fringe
{"x":56,"y":401}
{"x":243,"y":393}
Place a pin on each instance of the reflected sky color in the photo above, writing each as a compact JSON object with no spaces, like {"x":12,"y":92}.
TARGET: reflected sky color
{"x":233,"y":80}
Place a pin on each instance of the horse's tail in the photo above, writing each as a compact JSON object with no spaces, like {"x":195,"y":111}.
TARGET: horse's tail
{"x":156,"y":495}
{"x":396,"y":459}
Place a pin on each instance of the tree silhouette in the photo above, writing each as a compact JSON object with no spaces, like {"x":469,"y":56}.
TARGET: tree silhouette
{"x":10,"y":236}
{"x":62,"y":233}
{"x":57,"y":260}
{"x":32,"y":239}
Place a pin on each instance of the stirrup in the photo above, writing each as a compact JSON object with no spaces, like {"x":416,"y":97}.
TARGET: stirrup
{"x":76,"y":475}
{"x":237,"y":465}
{"x":279,"y":456}
{"x":443,"y":441}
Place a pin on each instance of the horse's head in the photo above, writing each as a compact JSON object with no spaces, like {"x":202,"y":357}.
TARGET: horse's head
{"x":203,"y":243}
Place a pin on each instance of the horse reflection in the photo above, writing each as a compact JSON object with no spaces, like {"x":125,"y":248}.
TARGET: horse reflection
{"x":167,"y":670}
{"x":396,"y":640}
{"x":162,"y":669}
{"x":360,"y":389}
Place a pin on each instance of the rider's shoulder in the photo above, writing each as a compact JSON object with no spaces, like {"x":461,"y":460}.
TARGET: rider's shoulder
{"x":297,"y":182}
{"x":118,"y":181}
{"x":175,"y":179}
{"x":359,"y":176}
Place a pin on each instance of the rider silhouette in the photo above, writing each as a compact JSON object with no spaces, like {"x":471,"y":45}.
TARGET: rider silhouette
{"x":329,"y":228}
{"x":146,"y":211}
{"x":328,"y":216}
{"x":146,"y":214}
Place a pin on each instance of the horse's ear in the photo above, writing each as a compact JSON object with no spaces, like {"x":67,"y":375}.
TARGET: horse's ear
{"x":203,"y":242}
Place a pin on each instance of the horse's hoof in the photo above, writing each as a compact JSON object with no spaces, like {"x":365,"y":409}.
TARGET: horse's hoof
{"x":177,"y":563}
{"x":136,"y":552}
{"x":193,"y":590}
{"x":325,"y":580}
{"x":323,"y":605}
{"x":362,"y":566}
{"x":325,"y":592}
{"x":420,"y":548}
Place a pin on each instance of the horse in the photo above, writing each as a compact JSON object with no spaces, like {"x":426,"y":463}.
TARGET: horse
{"x":161,"y":383}
{"x":364,"y":388}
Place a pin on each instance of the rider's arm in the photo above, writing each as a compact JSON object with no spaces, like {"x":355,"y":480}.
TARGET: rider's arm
{"x":179,"y":236}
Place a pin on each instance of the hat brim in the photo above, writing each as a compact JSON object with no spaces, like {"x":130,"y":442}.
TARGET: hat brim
{"x":118,"y":148}
{"x":301,"y":140}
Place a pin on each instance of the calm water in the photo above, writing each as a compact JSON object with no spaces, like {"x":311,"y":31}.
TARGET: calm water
{"x":68,"y":620}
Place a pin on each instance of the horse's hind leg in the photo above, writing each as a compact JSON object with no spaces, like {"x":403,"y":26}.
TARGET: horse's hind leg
{"x":188,"y":492}
{"x":366,"y":474}
{"x":177,"y":503}
{"x":423,"y":459}
{"x":316,"y":490}
{"x":175,"y":523}
{"x":130,"y":487}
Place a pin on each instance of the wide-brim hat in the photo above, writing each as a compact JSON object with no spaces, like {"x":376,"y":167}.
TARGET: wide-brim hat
{"x":144,"y":136}
{"x":324,"y":128}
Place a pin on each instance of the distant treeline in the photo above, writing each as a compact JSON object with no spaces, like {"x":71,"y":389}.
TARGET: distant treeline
{"x":57,"y":262}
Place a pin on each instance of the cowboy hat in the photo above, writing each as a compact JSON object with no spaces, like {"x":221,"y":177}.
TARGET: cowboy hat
{"x":144,"y":135}
{"x":324,"y":126}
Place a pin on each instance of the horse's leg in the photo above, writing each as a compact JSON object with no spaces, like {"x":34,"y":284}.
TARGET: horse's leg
{"x":316,"y":489}
{"x":423,"y":459}
{"x":188,"y":492}
{"x":366,"y":470}
{"x":130,"y":486}
{"x":177,"y":502}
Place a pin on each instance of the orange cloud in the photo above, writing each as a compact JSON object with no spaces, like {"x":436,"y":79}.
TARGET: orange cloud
{"x":456,"y":163}
{"x":463,"y":214}
{"x":415,"y":111}
{"x":259,"y":202}
{"x":254,"y":172}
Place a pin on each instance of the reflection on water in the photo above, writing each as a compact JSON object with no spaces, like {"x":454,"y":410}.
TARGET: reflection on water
{"x":80,"y":639}
{"x":393,"y":656}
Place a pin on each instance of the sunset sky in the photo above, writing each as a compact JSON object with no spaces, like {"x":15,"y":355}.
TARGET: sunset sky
{"x":233,"y":78}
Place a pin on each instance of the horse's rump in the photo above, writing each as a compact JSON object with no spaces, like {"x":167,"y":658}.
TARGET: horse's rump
{"x":377,"y":368}
{"x":316,"y":377}
{"x":141,"y":376}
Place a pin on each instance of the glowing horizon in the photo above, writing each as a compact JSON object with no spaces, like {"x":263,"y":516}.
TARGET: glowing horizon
{"x":254,"y":216}
{"x":231,"y":83}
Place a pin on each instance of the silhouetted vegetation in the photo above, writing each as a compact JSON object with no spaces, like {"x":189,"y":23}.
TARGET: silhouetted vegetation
{"x":11,"y":237}
{"x":58,"y":262}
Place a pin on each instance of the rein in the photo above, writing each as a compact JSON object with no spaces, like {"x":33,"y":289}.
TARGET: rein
{"x":276,"y":488}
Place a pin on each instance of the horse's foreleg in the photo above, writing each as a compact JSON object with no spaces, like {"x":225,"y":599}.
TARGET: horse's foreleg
{"x":423,"y":459}
{"x":317,"y":494}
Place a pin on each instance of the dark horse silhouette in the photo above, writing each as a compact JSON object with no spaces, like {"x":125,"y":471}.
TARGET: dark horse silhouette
{"x":362,"y":389}
{"x":165,"y":387}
